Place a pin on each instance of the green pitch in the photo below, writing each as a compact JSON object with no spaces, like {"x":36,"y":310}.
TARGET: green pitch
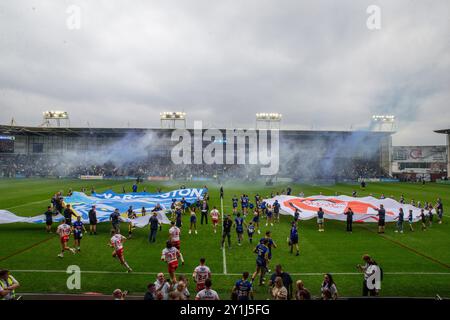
{"x":414,"y":263}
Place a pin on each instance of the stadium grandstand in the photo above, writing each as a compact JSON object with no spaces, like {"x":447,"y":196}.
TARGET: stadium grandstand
{"x":146,"y":153}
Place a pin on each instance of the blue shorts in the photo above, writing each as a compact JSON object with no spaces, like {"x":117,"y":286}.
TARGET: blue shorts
{"x":239,"y":230}
{"x":260,"y":263}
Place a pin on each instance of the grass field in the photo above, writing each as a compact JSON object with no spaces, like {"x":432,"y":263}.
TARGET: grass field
{"x":415,"y":264}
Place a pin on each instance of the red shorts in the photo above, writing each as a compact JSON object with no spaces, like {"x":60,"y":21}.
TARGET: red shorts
{"x":199,"y":286}
{"x":64,"y":239}
{"x":172,"y":266}
{"x":215,"y":221}
{"x":176,"y":244}
{"x":119,"y":253}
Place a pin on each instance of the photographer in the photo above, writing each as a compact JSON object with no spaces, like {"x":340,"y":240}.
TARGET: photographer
{"x":8,"y":286}
{"x":372,"y":280}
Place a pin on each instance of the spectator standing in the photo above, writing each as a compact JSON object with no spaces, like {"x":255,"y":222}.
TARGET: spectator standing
{"x":279,"y":292}
{"x":285,"y":277}
{"x":301,"y":293}
{"x":372,"y":280}
{"x":328,"y":288}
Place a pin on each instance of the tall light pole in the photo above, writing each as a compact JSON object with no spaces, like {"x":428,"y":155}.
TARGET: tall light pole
{"x":171,"y":119}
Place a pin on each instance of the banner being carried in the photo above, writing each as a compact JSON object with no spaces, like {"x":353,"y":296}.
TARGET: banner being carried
{"x":365,"y":209}
{"x":108,"y":201}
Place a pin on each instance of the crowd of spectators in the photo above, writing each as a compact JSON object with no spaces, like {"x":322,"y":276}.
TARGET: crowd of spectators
{"x":56,"y":166}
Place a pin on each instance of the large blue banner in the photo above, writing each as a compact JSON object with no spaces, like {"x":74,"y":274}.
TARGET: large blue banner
{"x":108,"y":201}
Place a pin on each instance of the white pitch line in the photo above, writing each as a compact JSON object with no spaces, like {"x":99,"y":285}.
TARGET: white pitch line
{"x":237,"y":274}
{"x":223,"y":246}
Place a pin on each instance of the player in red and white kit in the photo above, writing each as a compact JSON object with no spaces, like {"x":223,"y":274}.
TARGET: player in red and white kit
{"x":201,"y":273}
{"x":174,"y":235}
{"x":170,"y":254}
{"x":117,"y":243}
{"x":215,"y":218}
{"x":64,"y":231}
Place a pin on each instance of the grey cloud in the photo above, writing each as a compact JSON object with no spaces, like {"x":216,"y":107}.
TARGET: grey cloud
{"x":223,"y":61}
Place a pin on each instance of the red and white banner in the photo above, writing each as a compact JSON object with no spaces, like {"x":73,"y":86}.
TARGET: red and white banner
{"x":364,"y":209}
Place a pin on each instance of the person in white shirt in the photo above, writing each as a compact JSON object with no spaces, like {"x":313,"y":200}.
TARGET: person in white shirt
{"x":116,"y":242}
{"x":372,"y":277}
{"x":200,"y":275}
{"x":215,"y":218}
{"x":207,"y":293}
{"x":64,"y":231}
{"x":162,"y":287}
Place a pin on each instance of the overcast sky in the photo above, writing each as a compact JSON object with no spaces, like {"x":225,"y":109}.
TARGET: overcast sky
{"x":316,"y":62}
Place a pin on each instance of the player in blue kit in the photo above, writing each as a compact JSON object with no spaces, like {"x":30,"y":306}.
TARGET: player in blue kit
{"x":243,"y":288}
{"x":270,"y":244}
{"x":293,"y":238}
{"x":276,"y":210}
{"x":262,"y":257}
{"x":239,"y":222}
{"x":255,"y":220}
{"x":244,"y":204}
{"x":250,"y":231}
{"x":77,"y":229}
{"x":269,"y":215}
{"x":235,"y":204}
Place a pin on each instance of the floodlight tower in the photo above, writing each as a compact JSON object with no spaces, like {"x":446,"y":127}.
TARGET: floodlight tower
{"x":268,"y":120}
{"x":172,"y":118}
{"x":55,"y":116}
{"x":383,"y":123}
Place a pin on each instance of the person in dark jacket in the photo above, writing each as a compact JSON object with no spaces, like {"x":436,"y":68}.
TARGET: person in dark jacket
{"x":349,"y":213}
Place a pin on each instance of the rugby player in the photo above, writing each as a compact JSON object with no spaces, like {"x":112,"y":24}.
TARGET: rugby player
{"x":116,"y":242}
{"x":255,"y":220}
{"x":262,"y":257}
{"x":200,"y":275}
{"x":270,"y":244}
{"x":174,"y":235}
{"x":235,"y":204}
{"x":239,"y":223}
{"x":215,"y":218}
{"x":78,"y":228}
{"x":243,"y":288}
{"x":250,"y":231}
{"x":269,"y":215}
{"x":276,"y":210}
{"x":293,"y":238}
{"x":170,"y":254}
{"x":64,"y":231}
{"x":207,"y":293}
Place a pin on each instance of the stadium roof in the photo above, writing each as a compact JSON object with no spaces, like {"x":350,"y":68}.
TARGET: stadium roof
{"x":86,"y":131}
{"x":445,"y":131}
